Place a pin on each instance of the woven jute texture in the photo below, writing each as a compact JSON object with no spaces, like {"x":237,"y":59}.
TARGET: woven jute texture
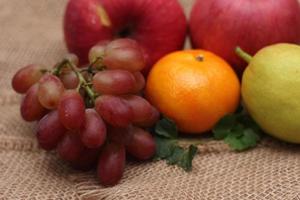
{"x":31,"y":32}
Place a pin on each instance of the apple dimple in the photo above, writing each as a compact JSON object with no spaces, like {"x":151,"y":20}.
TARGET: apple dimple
{"x":125,"y":32}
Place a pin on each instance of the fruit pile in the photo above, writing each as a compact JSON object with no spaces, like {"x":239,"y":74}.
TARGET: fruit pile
{"x":97,"y":113}
{"x":92,"y":114}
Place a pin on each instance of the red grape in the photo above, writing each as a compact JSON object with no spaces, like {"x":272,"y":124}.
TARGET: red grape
{"x":139,"y":82}
{"x":50,"y":91}
{"x":69,"y":79}
{"x":97,"y":51}
{"x":111,"y":164}
{"x":70,"y":147}
{"x":154,"y":117}
{"x":72,"y":58}
{"x":124,"y":54}
{"x":50,"y":131}
{"x":93,"y":134}
{"x":31,"y":108}
{"x":71,"y":110}
{"x":26,"y":77}
{"x":87,"y":160}
{"x":119,"y":135}
{"x":114,"y":110}
{"x":84,"y":130}
{"x":115,"y":82}
{"x":141,"y":145}
{"x":142,"y":109}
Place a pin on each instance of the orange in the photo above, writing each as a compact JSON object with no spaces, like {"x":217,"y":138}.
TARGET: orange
{"x":194,"y":88}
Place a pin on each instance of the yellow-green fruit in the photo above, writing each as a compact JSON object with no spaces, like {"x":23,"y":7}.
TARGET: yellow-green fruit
{"x":271,"y":90}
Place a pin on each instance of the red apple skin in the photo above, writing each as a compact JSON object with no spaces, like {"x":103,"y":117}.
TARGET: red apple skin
{"x":222,"y":25}
{"x":159,"y":26}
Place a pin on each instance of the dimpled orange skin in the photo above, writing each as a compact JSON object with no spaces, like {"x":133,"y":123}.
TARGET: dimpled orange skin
{"x":193,"y":93}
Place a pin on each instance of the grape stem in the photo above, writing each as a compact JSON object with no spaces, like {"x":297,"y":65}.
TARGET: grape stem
{"x":82,"y":82}
{"x":59,"y":67}
{"x":97,"y":65}
{"x":98,"y":60}
{"x":44,"y":71}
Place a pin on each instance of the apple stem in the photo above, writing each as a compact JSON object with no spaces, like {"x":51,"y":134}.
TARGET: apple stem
{"x":244,"y":55}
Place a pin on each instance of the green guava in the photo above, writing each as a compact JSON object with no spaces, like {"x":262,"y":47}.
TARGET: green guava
{"x":271,"y":90}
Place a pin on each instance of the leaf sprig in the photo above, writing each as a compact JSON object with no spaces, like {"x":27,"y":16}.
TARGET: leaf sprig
{"x":168,"y":148}
{"x":238,"y":130}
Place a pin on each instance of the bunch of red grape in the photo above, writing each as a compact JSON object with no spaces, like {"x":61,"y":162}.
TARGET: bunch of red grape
{"x":92,"y":115}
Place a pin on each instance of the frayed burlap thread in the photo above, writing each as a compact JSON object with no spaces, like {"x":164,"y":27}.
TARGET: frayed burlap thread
{"x":31,"y":32}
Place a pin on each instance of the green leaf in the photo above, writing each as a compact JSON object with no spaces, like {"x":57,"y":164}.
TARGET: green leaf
{"x":234,"y":142}
{"x":166,"y":128}
{"x":248,"y":122}
{"x":168,"y":148}
{"x":176,"y":155}
{"x":224,"y":126}
{"x":250,"y":138}
{"x":242,"y":139}
{"x":183,"y":157}
{"x":164,"y":147}
{"x":187,"y":158}
{"x":238,"y":130}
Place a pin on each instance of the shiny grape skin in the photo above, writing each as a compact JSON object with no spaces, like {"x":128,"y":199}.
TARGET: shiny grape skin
{"x":50,"y":91}
{"x":141,"y":108}
{"x":26,"y":77}
{"x":111,"y":164}
{"x":93,"y":133}
{"x":50,"y":131}
{"x":72,"y":58}
{"x":119,"y":135}
{"x":71,"y":110}
{"x":70,"y":148}
{"x":155,"y":115}
{"x":142,"y":144}
{"x":124,"y":54}
{"x":139,"y":82}
{"x":115,"y":82}
{"x":114,"y":110}
{"x":31,"y":109}
{"x":69,"y":79}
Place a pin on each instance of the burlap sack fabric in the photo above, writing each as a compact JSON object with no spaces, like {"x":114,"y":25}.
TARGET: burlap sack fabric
{"x":31,"y":32}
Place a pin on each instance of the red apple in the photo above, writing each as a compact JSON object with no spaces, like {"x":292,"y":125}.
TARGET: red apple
{"x":158,"y":25}
{"x":222,"y":25}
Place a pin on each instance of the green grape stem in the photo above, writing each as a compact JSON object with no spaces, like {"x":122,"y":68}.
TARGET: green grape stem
{"x":82,"y":82}
{"x":93,"y":65}
{"x":59,"y":67}
{"x":44,"y":71}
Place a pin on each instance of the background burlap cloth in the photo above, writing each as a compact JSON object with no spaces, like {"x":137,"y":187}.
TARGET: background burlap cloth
{"x":31,"y":32}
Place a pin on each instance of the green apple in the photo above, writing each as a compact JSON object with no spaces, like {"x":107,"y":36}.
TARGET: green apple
{"x":271,"y":90}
